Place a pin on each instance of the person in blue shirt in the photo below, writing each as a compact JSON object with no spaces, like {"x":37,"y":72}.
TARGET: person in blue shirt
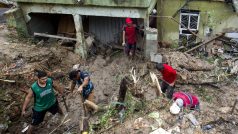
{"x":84,"y":84}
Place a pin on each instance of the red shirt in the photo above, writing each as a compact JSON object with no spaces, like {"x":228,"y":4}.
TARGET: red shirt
{"x":168,"y":73}
{"x":188,"y":99}
{"x":130,"y":34}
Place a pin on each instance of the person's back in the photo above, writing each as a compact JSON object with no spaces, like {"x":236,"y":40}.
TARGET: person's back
{"x":189,"y":99}
{"x":169,"y":74}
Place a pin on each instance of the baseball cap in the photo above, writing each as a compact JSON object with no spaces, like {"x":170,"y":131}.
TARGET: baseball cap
{"x":128,"y":21}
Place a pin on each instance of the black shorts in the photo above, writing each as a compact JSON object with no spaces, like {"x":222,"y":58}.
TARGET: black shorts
{"x":38,"y":117}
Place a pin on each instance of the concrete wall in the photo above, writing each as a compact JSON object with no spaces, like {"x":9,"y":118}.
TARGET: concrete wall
{"x":217,"y":15}
{"x":109,"y":3}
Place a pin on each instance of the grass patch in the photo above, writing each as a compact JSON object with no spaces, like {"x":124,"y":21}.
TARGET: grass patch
{"x":131,"y":106}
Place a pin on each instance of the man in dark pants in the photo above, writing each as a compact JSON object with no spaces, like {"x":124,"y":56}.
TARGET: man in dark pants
{"x":44,"y":99}
{"x":168,"y":78}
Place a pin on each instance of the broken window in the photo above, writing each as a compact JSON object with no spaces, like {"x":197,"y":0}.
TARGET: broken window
{"x":189,"y":22}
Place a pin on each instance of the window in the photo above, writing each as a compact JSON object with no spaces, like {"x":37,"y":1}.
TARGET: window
{"x":189,"y":21}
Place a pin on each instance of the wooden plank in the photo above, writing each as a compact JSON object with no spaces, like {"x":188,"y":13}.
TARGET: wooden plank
{"x":206,"y":42}
{"x":54,"y":36}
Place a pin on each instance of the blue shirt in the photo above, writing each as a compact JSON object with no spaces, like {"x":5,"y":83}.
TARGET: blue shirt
{"x":88,"y":88}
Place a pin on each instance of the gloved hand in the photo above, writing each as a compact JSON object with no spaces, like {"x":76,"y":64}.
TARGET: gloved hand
{"x":123,"y":44}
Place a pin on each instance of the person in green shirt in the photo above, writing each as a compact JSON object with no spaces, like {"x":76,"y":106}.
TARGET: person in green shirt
{"x":44,"y":99}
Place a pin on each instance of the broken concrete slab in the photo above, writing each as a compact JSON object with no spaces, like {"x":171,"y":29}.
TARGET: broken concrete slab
{"x":156,"y":57}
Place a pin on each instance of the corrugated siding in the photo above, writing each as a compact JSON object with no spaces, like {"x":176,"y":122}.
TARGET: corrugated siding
{"x":106,"y":29}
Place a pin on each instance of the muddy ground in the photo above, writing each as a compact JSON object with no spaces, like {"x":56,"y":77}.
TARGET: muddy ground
{"x":18,"y":58}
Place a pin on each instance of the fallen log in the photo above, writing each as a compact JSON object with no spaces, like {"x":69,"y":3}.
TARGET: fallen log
{"x":189,"y":68}
{"x":206,"y":42}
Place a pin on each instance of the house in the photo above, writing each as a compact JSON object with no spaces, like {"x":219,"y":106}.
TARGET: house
{"x":77,"y":18}
{"x":202,"y":17}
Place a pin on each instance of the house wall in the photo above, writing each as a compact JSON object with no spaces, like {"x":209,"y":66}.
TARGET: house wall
{"x":106,"y":29}
{"x":216,"y":15}
{"x":109,"y":3}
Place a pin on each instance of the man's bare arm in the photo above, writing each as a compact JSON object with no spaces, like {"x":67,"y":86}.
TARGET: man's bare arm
{"x":85,"y":82}
{"x":27,"y":101}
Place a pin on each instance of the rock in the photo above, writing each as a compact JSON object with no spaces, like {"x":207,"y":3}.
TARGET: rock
{"x":224,"y":110}
{"x":6,"y":43}
{"x":3,"y":128}
{"x":40,"y":43}
{"x":160,"y":131}
{"x":175,"y":129}
{"x":192,"y":118}
{"x":106,"y":92}
{"x":156,"y":116}
{"x":140,"y":123}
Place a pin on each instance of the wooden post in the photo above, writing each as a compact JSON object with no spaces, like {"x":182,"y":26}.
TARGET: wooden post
{"x":80,"y":46}
{"x":122,"y":92}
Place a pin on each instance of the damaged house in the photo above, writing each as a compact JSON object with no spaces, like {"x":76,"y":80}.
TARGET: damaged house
{"x":76,"y":19}
{"x":181,"y":19}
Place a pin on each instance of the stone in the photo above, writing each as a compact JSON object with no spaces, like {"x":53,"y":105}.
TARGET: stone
{"x":192,"y":118}
{"x":225,"y":110}
{"x":140,"y":123}
{"x":160,"y":131}
{"x":174,"y":129}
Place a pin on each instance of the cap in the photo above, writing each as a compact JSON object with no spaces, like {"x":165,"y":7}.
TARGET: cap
{"x":128,"y":21}
{"x":179,"y":102}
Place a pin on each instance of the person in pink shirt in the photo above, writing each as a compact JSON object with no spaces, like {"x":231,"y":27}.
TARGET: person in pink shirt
{"x":186,"y":100}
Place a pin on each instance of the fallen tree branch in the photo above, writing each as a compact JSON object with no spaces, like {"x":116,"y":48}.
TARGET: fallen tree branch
{"x":156,"y":81}
{"x":189,"y":68}
{"x":109,"y":127}
{"x":8,"y":81}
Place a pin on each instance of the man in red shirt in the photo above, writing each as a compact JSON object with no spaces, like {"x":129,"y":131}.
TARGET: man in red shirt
{"x":168,"y":78}
{"x":129,"y":37}
{"x":182,"y":99}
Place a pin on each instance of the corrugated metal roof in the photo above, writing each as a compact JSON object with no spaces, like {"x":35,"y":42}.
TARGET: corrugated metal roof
{"x":106,"y":29}
{"x":235,"y":3}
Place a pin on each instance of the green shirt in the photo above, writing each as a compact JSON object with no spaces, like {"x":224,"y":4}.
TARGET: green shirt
{"x":44,"y":97}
